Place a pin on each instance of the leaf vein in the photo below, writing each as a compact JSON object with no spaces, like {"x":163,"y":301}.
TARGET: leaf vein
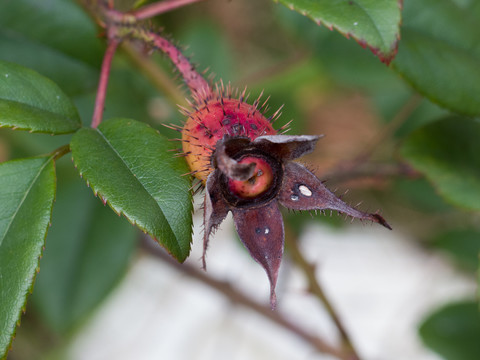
{"x":138,"y":181}
{"x":7,"y":229}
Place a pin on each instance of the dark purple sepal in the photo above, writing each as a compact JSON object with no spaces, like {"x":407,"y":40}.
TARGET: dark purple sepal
{"x":302,"y":190}
{"x":215,"y":209}
{"x":286,"y":147}
{"x":261,"y":231}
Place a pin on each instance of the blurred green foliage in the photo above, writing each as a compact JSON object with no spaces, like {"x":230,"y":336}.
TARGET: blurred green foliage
{"x":453,"y":331}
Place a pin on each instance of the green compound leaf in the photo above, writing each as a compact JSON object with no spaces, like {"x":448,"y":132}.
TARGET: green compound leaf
{"x":130,"y":166}
{"x":372,"y":23}
{"x":453,"y":331}
{"x":447,"y":153}
{"x":29,"y":101}
{"x":27,"y":191}
{"x":439,"y":54}
{"x":89,"y":248}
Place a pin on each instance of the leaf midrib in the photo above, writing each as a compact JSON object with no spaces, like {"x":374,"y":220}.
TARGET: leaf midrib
{"x":143,"y":186}
{"x":23,"y":199}
{"x":39,"y":109}
{"x":374,"y":24}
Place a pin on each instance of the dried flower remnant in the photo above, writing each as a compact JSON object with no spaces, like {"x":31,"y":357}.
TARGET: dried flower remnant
{"x":248,"y":169}
{"x":245,"y":164}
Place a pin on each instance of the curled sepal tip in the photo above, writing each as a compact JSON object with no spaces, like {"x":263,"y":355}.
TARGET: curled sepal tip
{"x":287,"y":147}
{"x":302,"y":190}
{"x":261,"y":231}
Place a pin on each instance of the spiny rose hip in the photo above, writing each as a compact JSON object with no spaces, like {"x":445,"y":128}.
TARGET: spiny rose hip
{"x":248,"y":170}
{"x":218,"y":117}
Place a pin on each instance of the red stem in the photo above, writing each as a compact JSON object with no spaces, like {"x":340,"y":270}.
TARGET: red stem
{"x":120,"y":25}
{"x":103,"y":82}
{"x":158,"y":8}
{"x":198,"y":85}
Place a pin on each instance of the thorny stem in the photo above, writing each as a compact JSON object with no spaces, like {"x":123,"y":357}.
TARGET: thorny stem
{"x":239,"y":298}
{"x":120,"y":25}
{"x":195,"y":81}
{"x":155,"y":74}
{"x":158,"y":8}
{"x":199,"y":87}
{"x":125,"y":26}
{"x":316,"y":289}
{"x":103,"y":82}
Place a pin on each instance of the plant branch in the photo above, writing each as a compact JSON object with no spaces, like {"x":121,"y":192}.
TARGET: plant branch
{"x":126,"y":26}
{"x":59,"y":152}
{"x":155,"y":75}
{"x":239,"y":298}
{"x":103,"y":82}
{"x":316,"y":289}
{"x":196,"y":82}
{"x":158,"y":8}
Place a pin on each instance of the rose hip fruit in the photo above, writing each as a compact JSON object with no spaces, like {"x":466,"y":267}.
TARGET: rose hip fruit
{"x":219,"y":117}
{"x":248,"y":169}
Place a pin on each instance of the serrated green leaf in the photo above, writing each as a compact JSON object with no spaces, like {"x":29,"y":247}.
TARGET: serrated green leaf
{"x":447,"y":153}
{"x":462,"y":244}
{"x":439,"y":54}
{"x":375,"y":24}
{"x":27,"y":191}
{"x":88,"y":250}
{"x":29,"y":101}
{"x":130,"y":166}
{"x":453,"y":331}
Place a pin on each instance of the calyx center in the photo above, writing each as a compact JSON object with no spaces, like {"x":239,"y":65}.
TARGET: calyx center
{"x":258,"y":184}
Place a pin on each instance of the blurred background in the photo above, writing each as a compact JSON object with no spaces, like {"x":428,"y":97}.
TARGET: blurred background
{"x":101,"y":293}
